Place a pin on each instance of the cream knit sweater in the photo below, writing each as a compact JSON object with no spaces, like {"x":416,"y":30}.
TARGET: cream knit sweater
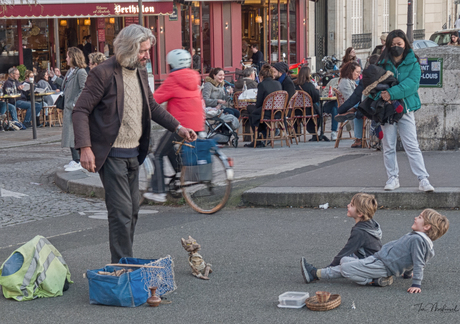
{"x":131,"y":125}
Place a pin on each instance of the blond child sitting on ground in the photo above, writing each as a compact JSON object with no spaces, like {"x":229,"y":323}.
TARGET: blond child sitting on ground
{"x":406,"y":256}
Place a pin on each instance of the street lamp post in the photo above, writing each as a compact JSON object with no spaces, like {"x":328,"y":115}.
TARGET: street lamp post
{"x":410,"y":22}
{"x":141,"y":18}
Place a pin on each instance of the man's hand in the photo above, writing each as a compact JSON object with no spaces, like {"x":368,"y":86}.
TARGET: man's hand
{"x":385,"y":96}
{"x":414,"y":290}
{"x":21,"y":87}
{"x":87,"y":159}
{"x":186,"y":133}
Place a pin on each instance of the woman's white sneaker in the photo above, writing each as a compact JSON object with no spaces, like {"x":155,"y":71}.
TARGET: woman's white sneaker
{"x":333,"y":135}
{"x":70,"y":164}
{"x":75,"y":167}
{"x":424,"y":185}
{"x":392,"y":184}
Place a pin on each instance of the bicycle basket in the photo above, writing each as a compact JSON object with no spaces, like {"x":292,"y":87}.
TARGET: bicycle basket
{"x":198,"y":160}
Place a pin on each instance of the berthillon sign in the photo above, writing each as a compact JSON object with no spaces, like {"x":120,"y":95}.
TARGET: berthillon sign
{"x":133,"y":9}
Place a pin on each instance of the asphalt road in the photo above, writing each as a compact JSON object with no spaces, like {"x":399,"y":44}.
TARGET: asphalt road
{"x":255,"y":255}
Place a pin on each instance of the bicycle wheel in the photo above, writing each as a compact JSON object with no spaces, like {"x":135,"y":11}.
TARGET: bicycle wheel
{"x":209,"y":196}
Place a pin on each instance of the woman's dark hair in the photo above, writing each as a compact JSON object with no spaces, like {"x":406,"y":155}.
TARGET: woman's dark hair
{"x":386,"y":56}
{"x":346,"y":58}
{"x":266,"y":71}
{"x":214,"y":72}
{"x":346,"y":71}
{"x":303,"y":76}
{"x":40,"y":76}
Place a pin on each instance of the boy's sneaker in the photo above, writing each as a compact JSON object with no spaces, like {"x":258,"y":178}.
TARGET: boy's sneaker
{"x":424,"y":185}
{"x":75,"y":167}
{"x":308,"y":271}
{"x":382,"y":282}
{"x":392,"y":183}
{"x":157,"y":197}
{"x":27,"y":124}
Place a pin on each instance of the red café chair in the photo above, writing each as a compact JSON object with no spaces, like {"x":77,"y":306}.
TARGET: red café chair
{"x":275,"y":105}
{"x":302,"y":102}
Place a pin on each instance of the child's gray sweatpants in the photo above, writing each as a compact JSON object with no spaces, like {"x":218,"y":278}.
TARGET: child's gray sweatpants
{"x":361,"y":271}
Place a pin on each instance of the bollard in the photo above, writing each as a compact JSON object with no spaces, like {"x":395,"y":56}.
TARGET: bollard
{"x":34,"y":114}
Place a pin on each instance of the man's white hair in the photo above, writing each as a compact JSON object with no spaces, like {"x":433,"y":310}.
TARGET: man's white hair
{"x":127,"y":43}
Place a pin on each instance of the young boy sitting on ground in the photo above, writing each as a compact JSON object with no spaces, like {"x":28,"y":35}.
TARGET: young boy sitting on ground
{"x":365,"y":236}
{"x":401,"y":257}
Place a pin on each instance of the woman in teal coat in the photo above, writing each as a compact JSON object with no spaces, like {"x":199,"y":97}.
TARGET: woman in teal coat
{"x":399,"y":58}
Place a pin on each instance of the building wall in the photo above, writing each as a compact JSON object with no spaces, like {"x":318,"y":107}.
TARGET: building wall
{"x":430,"y":15}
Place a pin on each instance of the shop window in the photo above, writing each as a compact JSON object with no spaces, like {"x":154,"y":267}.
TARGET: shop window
{"x":194,"y":39}
{"x":292,"y":33}
{"x":9,"y":55}
{"x":274,"y":25}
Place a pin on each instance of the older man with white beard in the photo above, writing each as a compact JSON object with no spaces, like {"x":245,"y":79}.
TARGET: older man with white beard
{"x":112,"y":130}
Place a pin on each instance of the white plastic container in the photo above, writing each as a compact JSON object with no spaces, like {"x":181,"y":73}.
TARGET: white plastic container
{"x":292,"y":299}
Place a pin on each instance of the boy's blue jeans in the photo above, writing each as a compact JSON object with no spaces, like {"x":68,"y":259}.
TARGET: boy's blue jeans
{"x":11,"y":109}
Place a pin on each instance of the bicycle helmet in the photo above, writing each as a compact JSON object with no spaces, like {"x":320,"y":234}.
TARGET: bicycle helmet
{"x":179,"y":58}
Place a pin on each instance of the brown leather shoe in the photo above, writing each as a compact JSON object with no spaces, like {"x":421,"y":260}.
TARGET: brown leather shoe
{"x":357,"y":144}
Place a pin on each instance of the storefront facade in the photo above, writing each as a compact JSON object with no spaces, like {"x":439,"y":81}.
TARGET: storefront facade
{"x":38,"y":35}
{"x":215,"y":32}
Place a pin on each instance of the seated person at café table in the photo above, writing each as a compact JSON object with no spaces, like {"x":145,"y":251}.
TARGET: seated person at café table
{"x":280,"y":73}
{"x":42,"y":80}
{"x":21,"y":102}
{"x":11,"y":109}
{"x":214,"y":93}
{"x":249,"y":76}
{"x":265,"y":87}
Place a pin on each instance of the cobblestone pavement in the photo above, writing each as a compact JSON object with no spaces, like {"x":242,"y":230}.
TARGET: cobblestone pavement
{"x":28,"y":170}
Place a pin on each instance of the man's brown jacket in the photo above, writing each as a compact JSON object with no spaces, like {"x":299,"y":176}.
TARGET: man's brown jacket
{"x":98,"y":113}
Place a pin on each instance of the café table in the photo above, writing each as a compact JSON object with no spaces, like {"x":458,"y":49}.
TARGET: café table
{"x":41,"y":97}
{"x":5,"y":98}
{"x":323,"y":137}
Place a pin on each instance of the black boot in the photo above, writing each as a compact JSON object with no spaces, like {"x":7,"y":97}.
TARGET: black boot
{"x":38,"y":121}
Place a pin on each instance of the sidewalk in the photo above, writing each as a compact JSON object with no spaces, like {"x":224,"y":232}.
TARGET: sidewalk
{"x":10,"y":139}
{"x":311,"y":174}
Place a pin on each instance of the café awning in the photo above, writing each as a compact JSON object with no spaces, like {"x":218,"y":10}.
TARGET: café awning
{"x":86,"y":8}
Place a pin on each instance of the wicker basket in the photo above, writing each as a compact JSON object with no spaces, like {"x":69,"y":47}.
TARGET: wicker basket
{"x":313,"y":304}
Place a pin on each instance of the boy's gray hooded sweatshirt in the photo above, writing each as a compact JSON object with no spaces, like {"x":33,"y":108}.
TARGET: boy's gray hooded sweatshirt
{"x":364,"y":241}
{"x":410,"y":252}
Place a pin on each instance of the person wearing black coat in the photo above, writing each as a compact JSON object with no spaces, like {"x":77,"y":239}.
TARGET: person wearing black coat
{"x":264,"y":88}
{"x":303,"y":83}
{"x":280,"y":71}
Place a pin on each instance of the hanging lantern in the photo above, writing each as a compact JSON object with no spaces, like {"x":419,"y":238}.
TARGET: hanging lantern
{"x":63,"y":23}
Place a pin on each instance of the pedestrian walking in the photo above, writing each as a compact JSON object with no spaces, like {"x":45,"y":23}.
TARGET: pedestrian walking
{"x":399,"y":58}
{"x":112,"y":130}
{"x":72,"y":85}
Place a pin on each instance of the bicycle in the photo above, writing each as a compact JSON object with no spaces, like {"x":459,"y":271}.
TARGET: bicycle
{"x":206,"y":187}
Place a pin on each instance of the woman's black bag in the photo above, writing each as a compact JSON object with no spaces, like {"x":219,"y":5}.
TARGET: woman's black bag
{"x":60,"y":102}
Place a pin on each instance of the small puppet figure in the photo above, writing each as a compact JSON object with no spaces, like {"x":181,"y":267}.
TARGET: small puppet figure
{"x":200,"y":268}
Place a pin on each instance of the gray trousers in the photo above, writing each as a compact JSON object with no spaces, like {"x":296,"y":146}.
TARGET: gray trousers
{"x":120,"y":178}
{"x":408,"y":134}
{"x":361,"y":271}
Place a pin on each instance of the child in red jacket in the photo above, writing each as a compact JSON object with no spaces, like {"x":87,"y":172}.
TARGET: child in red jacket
{"x":182,"y":92}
